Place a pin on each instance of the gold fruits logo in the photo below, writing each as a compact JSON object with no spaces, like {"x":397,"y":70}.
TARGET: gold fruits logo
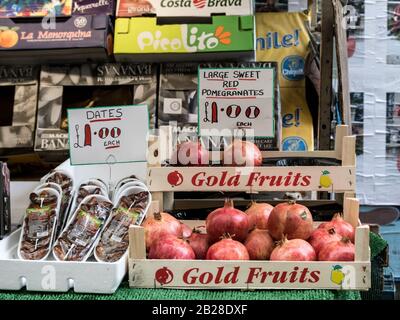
{"x":8,"y":37}
{"x":325,"y":180}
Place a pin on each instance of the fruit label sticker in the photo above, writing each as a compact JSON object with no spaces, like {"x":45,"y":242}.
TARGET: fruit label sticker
{"x":108,"y":134}
{"x":179,"y":8}
{"x":232,"y":99}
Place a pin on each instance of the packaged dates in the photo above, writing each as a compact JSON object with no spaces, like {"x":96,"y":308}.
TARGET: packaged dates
{"x":79,"y":237}
{"x":39,"y":224}
{"x":131,"y":208}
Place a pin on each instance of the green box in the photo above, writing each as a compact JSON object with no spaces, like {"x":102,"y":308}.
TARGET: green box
{"x":225,"y":38}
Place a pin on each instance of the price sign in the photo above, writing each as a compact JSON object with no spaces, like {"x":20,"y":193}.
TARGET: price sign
{"x":97,"y":135}
{"x":236,"y":98}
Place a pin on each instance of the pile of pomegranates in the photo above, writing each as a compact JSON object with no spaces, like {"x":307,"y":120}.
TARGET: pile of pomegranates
{"x":282,"y":233}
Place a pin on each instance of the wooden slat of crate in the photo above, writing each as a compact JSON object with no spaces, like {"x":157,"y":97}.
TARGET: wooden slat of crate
{"x":249,"y":179}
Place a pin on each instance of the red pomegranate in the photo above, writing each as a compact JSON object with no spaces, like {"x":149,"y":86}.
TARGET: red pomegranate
{"x":160,"y":224}
{"x":342,"y":227}
{"x":191,"y":154}
{"x":259,"y":244}
{"x":171,"y":247}
{"x":258,"y":214}
{"x":290,"y":219}
{"x":242,"y":153}
{"x":227,"y":220}
{"x":351,"y":46}
{"x":227,"y":249}
{"x":293,"y":250}
{"x":199,"y":243}
{"x":186,"y":231}
{"x":321,"y":237}
{"x":342,"y":250}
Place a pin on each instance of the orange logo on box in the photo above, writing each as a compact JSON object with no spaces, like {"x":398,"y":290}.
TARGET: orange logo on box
{"x":8,"y":37}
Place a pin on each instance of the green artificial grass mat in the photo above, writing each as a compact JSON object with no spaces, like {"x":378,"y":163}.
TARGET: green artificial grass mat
{"x":377,"y":244}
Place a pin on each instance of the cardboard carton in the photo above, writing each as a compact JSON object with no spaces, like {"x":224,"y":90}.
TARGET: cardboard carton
{"x":184,"y":8}
{"x":225,"y":38}
{"x":55,"y":8}
{"x":18,"y":101}
{"x":63,"y":87}
{"x":76,"y":39}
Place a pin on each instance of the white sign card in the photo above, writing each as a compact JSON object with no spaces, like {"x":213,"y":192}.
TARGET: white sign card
{"x":108,"y":134}
{"x":236,"y":98}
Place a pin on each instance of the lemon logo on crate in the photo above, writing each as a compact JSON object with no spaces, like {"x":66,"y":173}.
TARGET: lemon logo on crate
{"x":325,"y":180}
{"x":337,"y":275}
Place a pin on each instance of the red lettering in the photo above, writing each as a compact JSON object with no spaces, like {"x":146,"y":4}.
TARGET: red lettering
{"x":296,"y":179}
{"x":192,"y":279}
{"x":219,"y":275}
{"x":293,"y":275}
{"x":252,"y":178}
{"x":211,"y":181}
{"x":254,"y":272}
{"x":234,"y":181}
{"x":198,"y":179}
{"x":288,"y":179}
{"x":205,"y":278}
{"x":303,"y":275}
{"x":223,"y":178}
{"x":306,"y":181}
{"x":232,"y":277}
{"x":276,"y":181}
{"x":278,"y":276}
{"x":315,"y":276}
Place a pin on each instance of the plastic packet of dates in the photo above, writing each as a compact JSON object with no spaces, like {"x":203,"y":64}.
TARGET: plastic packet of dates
{"x":84,"y":190}
{"x":39,"y":225}
{"x":66,"y":182}
{"x":81,"y":233}
{"x":130,"y":209}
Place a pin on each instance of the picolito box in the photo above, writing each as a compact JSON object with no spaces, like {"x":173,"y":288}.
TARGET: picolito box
{"x":5,"y":210}
{"x":90,"y":85}
{"x":55,"y":8}
{"x":77,"y":39}
{"x":184,"y":8}
{"x":18,"y":103}
{"x":225,"y":38}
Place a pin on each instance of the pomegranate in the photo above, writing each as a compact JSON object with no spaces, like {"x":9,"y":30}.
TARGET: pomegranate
{"x":293,"y":250}
{"x":227,"y":249}
{"x":342,"y":227}
{"x":164,"y":275}
{"x":227,"y":220}
{"x":190,"y":154}
{"x":242,"y":153}
{"x":170,"y":247}
{"x":259,"y":244}
{"x":258,"y":214}
{"x":290,"y":219}
{"x":342,"y":250}
{"x":199,"y":243}
{"x":321,"y":237}
{"x":175,"y":178}
{"x":186,"y":231}
{"x":160,"y":224}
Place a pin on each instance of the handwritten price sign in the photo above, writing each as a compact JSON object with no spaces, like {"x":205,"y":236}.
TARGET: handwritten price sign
{"x":236,"y":98}
{"x":108,"y":134}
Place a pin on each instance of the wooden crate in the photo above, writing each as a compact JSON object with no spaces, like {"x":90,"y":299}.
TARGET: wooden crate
{"x":206,"y":274}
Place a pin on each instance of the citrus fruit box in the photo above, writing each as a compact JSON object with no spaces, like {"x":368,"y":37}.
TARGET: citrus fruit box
{"x":65,"y":8}
{"x":76,"y":39}
{"x":50,"y":275}
{"x":221,"y":38}
{"x":163,"y":181}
